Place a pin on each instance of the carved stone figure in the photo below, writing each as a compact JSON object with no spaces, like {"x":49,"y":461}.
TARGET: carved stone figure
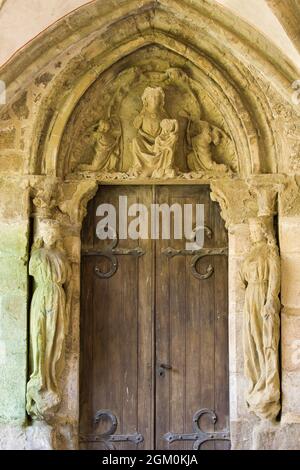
{"x":107,"y":148}
{"x":49,"y":315}
{"x":154,"y":145}
{"x":201,"y":158}
{"x":261,"y":277}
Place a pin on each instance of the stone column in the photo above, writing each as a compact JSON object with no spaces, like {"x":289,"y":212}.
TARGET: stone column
{"x":241,"y":201}
{"x":286,"y":434}
{"x":289,"y":237}
{"x":43,"y":430}
{"x":241,"y":422}
{"x":72,"y":204}
{"x":14,"y":233}
{"x":63,"y":204}
{"x":237,"y":204}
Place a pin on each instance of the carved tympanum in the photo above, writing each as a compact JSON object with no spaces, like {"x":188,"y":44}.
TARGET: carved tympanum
{"x":150,"y":121}
{"x":49,"y":317}
{"x":261,"y":277}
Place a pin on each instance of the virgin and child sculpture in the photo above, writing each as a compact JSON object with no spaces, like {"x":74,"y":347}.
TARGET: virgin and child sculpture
{"x":155,"y":142}
{"x":153,"y":149}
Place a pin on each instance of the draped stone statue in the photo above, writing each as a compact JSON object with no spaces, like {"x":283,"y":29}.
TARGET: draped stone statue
{"x":154,"y":145}
{"x":49,"y":316}
{"x":107,"y":148}
{"x":261,"y":277}
{"x":202,"y":141}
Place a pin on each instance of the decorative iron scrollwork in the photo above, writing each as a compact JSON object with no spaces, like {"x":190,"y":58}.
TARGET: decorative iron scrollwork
{"x":109,"y":437}
{"x":198,"y":255}
{"x":199,"y":436}
{"x":111,"y":252}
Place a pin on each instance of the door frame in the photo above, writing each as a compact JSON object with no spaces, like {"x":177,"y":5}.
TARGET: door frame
{"x":77,"y":193}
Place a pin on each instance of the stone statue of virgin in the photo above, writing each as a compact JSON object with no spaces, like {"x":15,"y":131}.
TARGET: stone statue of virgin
{"x":48,"y":322}
{"x":154,"y":145}
{"x":261,"y":277}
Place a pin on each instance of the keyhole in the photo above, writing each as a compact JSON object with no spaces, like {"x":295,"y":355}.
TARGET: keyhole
{"x":162,"y":369}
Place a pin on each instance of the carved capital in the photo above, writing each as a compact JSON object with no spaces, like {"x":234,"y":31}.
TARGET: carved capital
{"x":75,"y":198}
{"x":45,"y":194}
{"x":265,"y":189}
{"x":236,"y":202}
{"x":266,"y":201}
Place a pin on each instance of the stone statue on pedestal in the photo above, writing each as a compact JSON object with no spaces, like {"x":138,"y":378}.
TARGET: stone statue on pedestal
{"x":261,"y":277}
{"x":49,"y":318}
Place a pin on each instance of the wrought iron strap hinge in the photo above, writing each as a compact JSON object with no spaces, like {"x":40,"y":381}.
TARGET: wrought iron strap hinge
{"x":199,"y":436}
{"x":171,"y":252}
{"x":109,"y":437}
{"x":197,"y":255}
{"x":111,"y":252}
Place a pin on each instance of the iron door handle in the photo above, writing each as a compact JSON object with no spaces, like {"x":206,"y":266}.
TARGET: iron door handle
{"x":162,"y":369}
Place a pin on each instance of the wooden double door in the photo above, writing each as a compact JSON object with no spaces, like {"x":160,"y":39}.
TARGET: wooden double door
{"x":154,"y":327}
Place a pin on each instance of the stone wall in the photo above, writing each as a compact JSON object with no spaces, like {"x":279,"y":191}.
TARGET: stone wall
{"x":14,"y":235}
{"x":290,"y":255}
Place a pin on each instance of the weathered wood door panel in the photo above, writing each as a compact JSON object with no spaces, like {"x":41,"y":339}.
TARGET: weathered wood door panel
{"x":116,"y":331}
{"x":150,"y":315}
{"x":191,"y":328}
